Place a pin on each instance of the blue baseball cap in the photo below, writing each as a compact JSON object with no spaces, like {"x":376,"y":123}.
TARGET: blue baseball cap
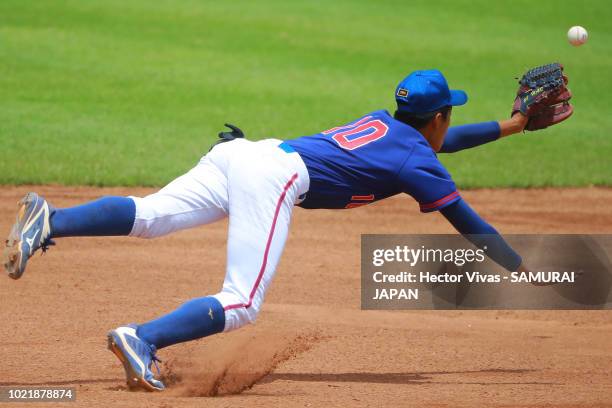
{"x":426,"y":91}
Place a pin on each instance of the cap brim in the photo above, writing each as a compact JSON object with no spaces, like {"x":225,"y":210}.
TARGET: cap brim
{"x":458,"y":97}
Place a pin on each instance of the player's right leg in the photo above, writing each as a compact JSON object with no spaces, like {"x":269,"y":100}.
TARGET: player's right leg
{"x":30,"y":232}
{"x":196,"y":198}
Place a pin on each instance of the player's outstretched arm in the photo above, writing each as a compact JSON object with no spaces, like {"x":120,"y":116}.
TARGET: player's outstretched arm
{"x":514,"y":125}
{"x":480,"y":233}
{"x":467,"y":136}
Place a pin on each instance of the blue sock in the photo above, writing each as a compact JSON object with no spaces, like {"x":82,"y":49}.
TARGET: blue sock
{"x":196,"y":318}
{"x":106,"y":216}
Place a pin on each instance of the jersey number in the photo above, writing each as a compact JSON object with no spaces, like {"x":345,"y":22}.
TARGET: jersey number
{"x":358,"y":134}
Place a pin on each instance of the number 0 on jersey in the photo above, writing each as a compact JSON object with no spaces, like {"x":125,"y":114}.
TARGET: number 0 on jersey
{"x":360,"y":133}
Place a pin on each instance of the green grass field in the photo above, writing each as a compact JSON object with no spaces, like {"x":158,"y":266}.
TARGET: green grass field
{"x":133,"y":92}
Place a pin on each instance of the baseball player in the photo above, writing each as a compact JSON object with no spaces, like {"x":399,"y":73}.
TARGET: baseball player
{"x":257,"y":183}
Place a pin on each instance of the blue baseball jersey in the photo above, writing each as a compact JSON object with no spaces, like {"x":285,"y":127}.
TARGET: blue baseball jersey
{"x":372,"y":158}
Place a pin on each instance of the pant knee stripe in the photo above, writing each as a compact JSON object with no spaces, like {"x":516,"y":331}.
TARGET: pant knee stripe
{"x":265,"y":258}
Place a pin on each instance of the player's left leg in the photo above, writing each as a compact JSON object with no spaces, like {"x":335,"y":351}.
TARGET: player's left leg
{"x":260,"y":215}
{"x":263,"y":186}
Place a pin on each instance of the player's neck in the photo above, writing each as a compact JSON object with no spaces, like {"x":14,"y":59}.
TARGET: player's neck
{"x":432,"y":136}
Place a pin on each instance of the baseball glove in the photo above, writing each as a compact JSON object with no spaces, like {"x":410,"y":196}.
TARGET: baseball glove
{"x":543,"y":97}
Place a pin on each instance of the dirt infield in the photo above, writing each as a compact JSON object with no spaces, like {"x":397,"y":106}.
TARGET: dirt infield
{"x":312,"y":345}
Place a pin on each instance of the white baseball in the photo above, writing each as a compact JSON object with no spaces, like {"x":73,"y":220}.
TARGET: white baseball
{"x":577,"y":36}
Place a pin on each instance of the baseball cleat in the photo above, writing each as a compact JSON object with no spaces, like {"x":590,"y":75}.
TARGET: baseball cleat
{"x":30,"y":232}
{"x":136,"y":356}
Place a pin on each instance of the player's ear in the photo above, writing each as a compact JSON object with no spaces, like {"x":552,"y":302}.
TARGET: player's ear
{"x":438,"y":120}
{"x":443,"y":118}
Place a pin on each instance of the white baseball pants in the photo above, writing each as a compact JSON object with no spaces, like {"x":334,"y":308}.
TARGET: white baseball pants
{"x":256,"y":184}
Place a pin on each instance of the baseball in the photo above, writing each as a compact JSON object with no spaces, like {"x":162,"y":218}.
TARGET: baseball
{"x":577,"y":36}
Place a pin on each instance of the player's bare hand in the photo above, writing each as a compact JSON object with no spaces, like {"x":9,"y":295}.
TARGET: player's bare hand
{"x":520,"y":121}
{"x":516,"y":124}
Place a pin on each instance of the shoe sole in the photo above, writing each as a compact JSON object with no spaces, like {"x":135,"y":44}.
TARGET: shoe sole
{"x":133,"y":379}
{"x":13,"y":255}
